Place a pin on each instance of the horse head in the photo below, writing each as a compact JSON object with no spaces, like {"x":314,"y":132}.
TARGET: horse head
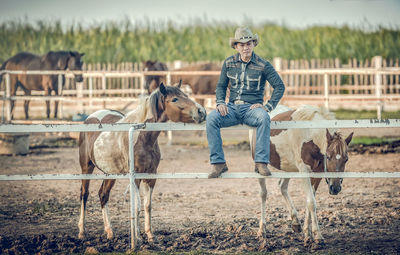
{"x":152,"y":81}
{"x":336,"y":159}
{"x":172,"y":104}
{"x":74,"y":63}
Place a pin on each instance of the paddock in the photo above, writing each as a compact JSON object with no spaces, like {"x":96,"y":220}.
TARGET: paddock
{"x":195,"y":214}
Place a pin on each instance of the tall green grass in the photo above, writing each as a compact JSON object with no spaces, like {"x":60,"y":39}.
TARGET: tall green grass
{"x":136,"y":40}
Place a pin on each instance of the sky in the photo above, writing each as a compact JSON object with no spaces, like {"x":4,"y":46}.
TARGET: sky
{"x":292,"y":13}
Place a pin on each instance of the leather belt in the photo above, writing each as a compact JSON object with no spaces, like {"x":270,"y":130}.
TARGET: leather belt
{"x":239,"y":102}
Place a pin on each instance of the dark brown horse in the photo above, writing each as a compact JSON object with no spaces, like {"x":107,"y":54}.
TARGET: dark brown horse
{"x":200,"y":84}
{"x":53,"y":60}
{"x":152,"y":81}
{"x":108,"y":151}
{"x":305,"y":150}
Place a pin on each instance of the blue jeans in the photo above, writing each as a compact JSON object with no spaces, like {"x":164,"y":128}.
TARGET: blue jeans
{"x":238,"y":114}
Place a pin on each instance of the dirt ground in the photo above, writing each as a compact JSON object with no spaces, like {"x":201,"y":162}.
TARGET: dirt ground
{"x":214,"y":216}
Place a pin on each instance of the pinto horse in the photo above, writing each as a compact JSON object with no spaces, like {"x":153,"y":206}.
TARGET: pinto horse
{"x":53,"y":60}
{"x":305,"y":150}
{"x":108,"y":151}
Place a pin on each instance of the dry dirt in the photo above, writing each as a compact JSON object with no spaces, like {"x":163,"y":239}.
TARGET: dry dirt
{"x":208,"y":216}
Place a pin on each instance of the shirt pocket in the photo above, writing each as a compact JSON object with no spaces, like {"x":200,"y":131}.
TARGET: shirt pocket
{"x":234,"y":79}
{"x":253,"y":81}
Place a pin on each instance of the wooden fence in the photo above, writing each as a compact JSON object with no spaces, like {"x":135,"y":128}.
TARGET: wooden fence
{"x":356,"y":84}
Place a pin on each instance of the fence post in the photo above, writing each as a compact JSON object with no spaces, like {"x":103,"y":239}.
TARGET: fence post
{"x":378,"y":86}
{"x":79,"y":95}
{"x":59,"y":92}
{"x":7,"y":97}
{"x":90,"y":93}
{"x":133,"y":192}
{"x":104,"y":84}
{"x":168,"y":79}
{"x":142,"y":81}
{"x":326,"y":90}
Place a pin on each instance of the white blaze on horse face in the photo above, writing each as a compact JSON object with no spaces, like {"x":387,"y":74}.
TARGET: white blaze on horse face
{"x":338,"y":156}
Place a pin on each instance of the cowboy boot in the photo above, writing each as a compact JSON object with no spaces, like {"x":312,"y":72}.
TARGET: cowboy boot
{"x":262,"y":168}
{"x":218,"y":169}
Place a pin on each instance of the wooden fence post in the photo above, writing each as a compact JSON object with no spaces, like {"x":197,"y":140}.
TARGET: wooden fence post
{"x":104,"y":86}
{"x":8,"y":99}
{"x":59,"y":92}
{"x":79,"y":95}
{"x":326,"y":90}
{"x":378,"y":86}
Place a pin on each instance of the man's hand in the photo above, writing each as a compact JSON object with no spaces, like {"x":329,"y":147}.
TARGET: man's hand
{"x":222,"y":109}
{"x":254,"y":106}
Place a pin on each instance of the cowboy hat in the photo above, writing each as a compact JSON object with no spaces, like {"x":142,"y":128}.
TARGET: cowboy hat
{"x":243,"y":35}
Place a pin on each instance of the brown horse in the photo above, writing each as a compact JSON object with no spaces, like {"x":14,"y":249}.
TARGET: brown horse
{"x":305,"y":150}
{"x":152,"y":81}
{"x":53,"y":60}
{"x":200,"y":84}
{"x":108,"y":151}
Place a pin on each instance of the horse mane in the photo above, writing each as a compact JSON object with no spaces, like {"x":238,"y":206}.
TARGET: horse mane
{"x":149,"y":107}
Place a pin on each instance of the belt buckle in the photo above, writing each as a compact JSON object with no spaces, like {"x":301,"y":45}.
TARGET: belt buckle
{"x":238,"y":102}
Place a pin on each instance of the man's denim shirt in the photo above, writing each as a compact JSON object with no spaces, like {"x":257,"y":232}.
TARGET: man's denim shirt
{"x":248,"y":81}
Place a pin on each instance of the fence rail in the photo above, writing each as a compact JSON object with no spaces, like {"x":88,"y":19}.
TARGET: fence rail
{"x":135,"y":127}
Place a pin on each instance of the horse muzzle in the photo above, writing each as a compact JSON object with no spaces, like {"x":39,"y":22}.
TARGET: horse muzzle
{"x":199,"y":114}
{"x":334,"y":189}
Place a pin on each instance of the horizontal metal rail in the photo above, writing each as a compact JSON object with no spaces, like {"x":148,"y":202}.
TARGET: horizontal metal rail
{"x":236,"y":175}
{"x":34,"y":128}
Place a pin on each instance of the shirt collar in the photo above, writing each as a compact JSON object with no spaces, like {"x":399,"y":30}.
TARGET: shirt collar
{"x":238,"y":59}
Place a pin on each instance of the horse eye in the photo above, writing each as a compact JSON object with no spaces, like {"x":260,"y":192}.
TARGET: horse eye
{"x":174,"y":99}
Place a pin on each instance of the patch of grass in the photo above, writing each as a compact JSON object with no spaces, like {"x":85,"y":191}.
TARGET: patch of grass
{"x":373,"y":140}
{"x":346,"y":114}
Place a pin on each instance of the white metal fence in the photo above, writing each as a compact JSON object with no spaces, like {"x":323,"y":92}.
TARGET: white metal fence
{"x":135,"y":127}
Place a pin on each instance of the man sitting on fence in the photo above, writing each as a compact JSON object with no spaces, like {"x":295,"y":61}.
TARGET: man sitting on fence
{"x":247,"y":74}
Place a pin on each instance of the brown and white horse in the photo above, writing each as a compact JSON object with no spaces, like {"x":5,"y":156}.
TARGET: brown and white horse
{"x":108,"y":151}
{"x":305,"y":150}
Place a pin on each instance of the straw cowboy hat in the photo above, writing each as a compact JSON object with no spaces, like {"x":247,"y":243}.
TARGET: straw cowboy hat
{"x":243,"y":35}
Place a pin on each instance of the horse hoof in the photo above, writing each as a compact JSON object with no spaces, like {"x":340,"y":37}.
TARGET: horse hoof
{"x":307,"y":241}
{"x":317,"y":244}
{"x":296,"y":228}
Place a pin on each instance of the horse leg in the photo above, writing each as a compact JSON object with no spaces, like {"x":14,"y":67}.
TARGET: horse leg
{"x":56,"y":106}
{"x":263,"y":195}
{"x":104,"y":195}
{"x":148,"y":189}
{"x":13,"y":92}
{"x":283,"y":183}
{"x":47,"y":93}
{"x":311,"y":213}
{"x":87,"y":168}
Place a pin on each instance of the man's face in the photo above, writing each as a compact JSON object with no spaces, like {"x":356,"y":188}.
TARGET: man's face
{"x":245,"y":50}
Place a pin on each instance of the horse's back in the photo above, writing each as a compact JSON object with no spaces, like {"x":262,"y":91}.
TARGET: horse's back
{"x":23,"y":61}
{"x":88,"y":139}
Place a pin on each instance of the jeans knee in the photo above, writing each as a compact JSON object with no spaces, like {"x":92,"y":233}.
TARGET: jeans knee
{"x":212,"y":118}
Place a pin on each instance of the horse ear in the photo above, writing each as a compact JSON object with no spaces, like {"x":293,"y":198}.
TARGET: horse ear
{"x":163,"y":90}
{"x":328,"y":136}
{"x":180,"y":83}
{"x":348,"y":139}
